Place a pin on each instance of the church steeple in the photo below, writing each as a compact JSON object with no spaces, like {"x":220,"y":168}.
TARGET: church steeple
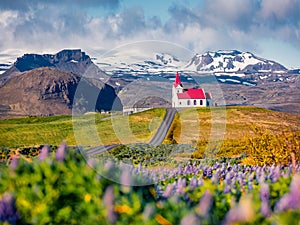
{"x":177,"y":80}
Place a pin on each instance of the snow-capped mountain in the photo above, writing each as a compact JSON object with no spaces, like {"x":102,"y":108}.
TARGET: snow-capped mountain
{"x":229,"y":66}
{"x":232,"y":62}
{"x":137,"y":64}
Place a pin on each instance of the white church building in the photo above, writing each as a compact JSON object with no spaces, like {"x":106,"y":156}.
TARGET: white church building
{"x":192,"y":97}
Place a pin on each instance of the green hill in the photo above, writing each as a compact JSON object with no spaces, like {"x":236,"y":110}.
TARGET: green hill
{"x":53,"y":130}
{"x":219,"y":131}
{"x":232,"y":130}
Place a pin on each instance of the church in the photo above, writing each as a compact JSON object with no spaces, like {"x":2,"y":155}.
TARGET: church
{"x":192,"y":97}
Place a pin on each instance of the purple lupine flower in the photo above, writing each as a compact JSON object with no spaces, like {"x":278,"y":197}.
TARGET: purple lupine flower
{"x":194,"y":182}
{"x":289,"y":172}
{"x":216,"y":166}
{"x":188,"y":169}
{"x":208,"y":172}
{"x":169,"y":191}
{"x":265,"y":199}
{"x":235,"y":168}
{"x":61,"y":152}
{"x":44,"y":153}
{"x":8,"y":210}
{"x":108,"y":200}
{"x":190,"y":219}
{"x":241,"y":212}
{"x":181,"y":184}
{"x":290,"y":200}
{"x":204,"y":204}
{"x":180,"y":169}
{"x":264,"y":192}
{"x":295,"y":184}
{"x":240,"y":177}
{"x":262,"y":177}
{"x":265,"y":209}
{"x":283,"y":204}
{"x":274,"y":174}
{"x":126,"y":180}
{"x":226,"y":189}
{"x":228,"y":179}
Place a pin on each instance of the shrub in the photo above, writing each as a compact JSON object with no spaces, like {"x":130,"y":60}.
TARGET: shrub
{"x":269,"y":149}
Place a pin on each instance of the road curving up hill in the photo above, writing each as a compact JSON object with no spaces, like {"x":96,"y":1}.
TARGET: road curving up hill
{"x":164,"y":127}
{"x":157,"y":138}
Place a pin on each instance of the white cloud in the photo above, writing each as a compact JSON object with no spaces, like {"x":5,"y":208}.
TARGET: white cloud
{"x":278,"y":9}
{"x":215,"y":24}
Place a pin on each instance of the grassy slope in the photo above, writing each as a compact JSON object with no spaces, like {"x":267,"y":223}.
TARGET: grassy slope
{"x":237,"y":124}
{"x":55,"y":129}
{"x":192,"y":126}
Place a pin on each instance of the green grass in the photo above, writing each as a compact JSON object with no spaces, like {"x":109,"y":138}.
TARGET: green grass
{"x":53,"y":130}
{"x":230,"y":127}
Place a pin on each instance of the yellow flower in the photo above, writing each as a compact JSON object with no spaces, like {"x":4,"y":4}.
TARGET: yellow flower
{"x":123,"y":209}
{"x":161,"y":220}
{"x":87,"y":198}
{"x":23,"y":203}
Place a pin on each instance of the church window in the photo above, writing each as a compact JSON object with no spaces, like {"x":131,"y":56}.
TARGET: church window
{"x":201,"y":102}
{"x":195,"y":102}
{"x":188,"y":102}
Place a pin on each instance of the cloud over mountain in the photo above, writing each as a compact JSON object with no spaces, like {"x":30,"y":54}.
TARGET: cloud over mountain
{"x":210,"y":25}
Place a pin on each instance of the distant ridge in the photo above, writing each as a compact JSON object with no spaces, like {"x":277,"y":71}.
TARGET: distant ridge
{"x":46,"y":84}
{"x":49,"y":91}
{"x":74,"y":61}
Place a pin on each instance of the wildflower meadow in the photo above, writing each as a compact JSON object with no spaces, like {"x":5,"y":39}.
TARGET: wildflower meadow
{"x":62,"y":187}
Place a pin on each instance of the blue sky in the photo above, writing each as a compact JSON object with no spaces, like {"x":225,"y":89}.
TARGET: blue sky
{"x":267,"y":28}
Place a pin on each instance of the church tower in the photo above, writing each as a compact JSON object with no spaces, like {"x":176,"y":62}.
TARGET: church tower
{"x":177,"y":88}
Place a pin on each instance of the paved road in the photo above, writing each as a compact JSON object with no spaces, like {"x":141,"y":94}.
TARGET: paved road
{"x":157,"y":139}
{"x":164,"y":127}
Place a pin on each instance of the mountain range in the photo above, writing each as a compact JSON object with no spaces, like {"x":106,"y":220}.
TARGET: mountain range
{"x":74,"y":61}
{"x":233,"y":62}
{"x":44,"y":84}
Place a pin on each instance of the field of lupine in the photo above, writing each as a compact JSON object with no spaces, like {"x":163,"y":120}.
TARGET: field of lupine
{"x":61,"y":187}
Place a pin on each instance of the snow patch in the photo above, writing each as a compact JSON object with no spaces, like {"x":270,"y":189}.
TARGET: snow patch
{"x":248,"y":84}
{"x":263,"y":77}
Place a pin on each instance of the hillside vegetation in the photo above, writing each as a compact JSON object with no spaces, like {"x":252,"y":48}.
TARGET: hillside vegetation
{"x":62,"y":188}
{"x":219,"y":131}
{"x":233,"y":130}
{"x":53,"y":130}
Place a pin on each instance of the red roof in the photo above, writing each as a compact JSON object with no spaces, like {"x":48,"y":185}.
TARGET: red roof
{"x":192,"y":94}
{"x":177,"y":80}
